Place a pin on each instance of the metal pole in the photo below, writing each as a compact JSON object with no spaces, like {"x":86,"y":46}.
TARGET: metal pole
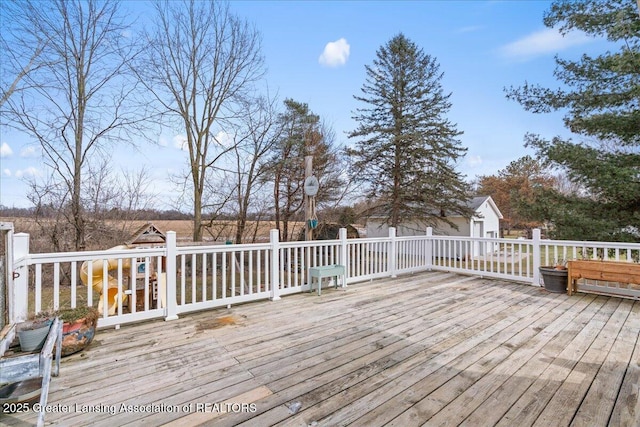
{"x":308,"y":171}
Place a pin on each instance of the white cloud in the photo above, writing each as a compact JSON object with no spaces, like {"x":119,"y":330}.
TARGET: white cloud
{"x":543,"y":42}
{"x":224,"y":139}
{"x":335,"y":53}
{"x":28,"y":151}
{"x":474,"y":160}
{"x":470,"y":29}
{"x":6,"y":172}
{"x":162,"y":141}
{"x":28,"y":172}
{"x":180,"y":142}
{"x":5,"y":150}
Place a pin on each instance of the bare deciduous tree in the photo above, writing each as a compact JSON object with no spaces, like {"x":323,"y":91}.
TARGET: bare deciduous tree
{"x":201,"y":59}
{"x":75,"y":100}
{"x":257,"y":134}
{"x":107,"y":194}
{"x":19,"y":51}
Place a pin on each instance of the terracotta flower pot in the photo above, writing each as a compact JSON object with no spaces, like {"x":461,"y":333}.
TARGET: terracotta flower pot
{"x":77,"y":336}
{"x":78,"y":328}
{"x":71,"y":327}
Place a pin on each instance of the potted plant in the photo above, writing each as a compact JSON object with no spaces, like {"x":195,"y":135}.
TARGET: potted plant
{"x":556,"y":276}
{"x":33,"y":333}
{"x":78,"y":328}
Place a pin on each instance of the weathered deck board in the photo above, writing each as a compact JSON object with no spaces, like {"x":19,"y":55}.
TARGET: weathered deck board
{"x":427,"y":349}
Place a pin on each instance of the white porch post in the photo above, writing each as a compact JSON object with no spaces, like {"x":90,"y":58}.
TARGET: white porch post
{"x":171,"y":312}
{"x":274,"y":238}
{"x":344,"y":255}
{"x":429,"y":249}
{"x":536,"y":256}
{"x":393,"y":252}
{"x":474,"y":244}
{"x":19,"y":286}
{"x":7,"y":268}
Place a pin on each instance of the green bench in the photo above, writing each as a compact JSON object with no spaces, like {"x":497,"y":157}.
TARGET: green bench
{"x":327,"y":271}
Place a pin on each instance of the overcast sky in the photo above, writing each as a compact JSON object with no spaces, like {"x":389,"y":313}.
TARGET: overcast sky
{"x":316,"y":51}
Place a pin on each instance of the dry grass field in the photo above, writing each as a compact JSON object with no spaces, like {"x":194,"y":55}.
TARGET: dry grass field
{"x":220,"y":231}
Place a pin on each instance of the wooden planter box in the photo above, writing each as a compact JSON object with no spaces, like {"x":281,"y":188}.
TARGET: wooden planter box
{"x":608,"y":271}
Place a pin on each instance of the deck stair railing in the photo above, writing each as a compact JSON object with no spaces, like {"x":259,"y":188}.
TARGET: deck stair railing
{"x":204,"y":277}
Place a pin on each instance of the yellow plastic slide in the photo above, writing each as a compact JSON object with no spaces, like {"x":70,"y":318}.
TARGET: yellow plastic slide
{"x":97,"y":278}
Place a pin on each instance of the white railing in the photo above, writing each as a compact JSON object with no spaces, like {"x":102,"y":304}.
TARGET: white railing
{"x":193,"y":278}
{"x":212,"y":276}
{"x":367,"y":259}
{"x":500,"y":258}
{"x":297,"y":257}
{"x":563,"y":250}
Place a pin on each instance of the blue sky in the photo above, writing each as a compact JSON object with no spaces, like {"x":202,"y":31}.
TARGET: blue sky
{"x":316,"y":52}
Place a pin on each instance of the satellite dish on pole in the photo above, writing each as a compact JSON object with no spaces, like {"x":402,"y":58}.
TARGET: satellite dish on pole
{"x":311,"y":186}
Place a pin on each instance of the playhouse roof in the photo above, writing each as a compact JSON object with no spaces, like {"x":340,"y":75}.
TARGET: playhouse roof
{"x":146,"y":235}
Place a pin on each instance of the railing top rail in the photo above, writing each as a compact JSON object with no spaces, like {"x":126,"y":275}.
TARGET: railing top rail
{"x":92,"y":255}
{"x":161,"y":251}
{"x":222,"y":248}
{"x":369,"y":240}
{"x":309,"y":243}
{"x":591,"y":244}
{"x":481,"y":239}
{"x":425,"y":237}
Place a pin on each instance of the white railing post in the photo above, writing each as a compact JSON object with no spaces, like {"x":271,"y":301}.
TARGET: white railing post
{"x":429,"y":249}
{"x":344,"y":254}
{"x":274,"y":239}
{"x":6,"y":268}
{"x":171,"y":311}
{"x":393,"y":252}
{"x":19,"y":286}
{"x":536,"y":256}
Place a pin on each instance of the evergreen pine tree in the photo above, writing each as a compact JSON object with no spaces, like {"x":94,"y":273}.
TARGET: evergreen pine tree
{"x":406,"y":149}
{"x":601,"y":95}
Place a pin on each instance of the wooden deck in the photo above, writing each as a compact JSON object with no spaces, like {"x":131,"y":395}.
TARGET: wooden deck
{"x":429,"y":349}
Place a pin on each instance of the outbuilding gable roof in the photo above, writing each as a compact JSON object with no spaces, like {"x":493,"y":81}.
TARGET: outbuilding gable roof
{"x":477,"y":202}
{"x":474,"y":203}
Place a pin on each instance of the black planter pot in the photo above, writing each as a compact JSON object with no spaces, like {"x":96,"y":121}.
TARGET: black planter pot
{"x":555,"y":280}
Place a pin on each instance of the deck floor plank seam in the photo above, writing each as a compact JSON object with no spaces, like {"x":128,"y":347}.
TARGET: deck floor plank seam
{"x":441,"y":388}
{"x":300,"y":371}
{"x":412,"y":355}
{"x":626,"y":411}
{"x":531,"y":403}
{"x":445,"y":356}
{"x":482,"y":402}
{"x":116,"y":395}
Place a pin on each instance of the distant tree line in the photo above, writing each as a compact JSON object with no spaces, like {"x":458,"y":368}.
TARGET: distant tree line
{"x":113,"y":214}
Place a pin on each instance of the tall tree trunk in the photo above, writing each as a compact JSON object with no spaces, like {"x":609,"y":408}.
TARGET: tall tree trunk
{"x":76,"y":200}
{"x":197,"y":217}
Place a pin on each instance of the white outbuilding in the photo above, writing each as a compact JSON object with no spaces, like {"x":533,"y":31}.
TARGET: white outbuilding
{"x":484,"y":223}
